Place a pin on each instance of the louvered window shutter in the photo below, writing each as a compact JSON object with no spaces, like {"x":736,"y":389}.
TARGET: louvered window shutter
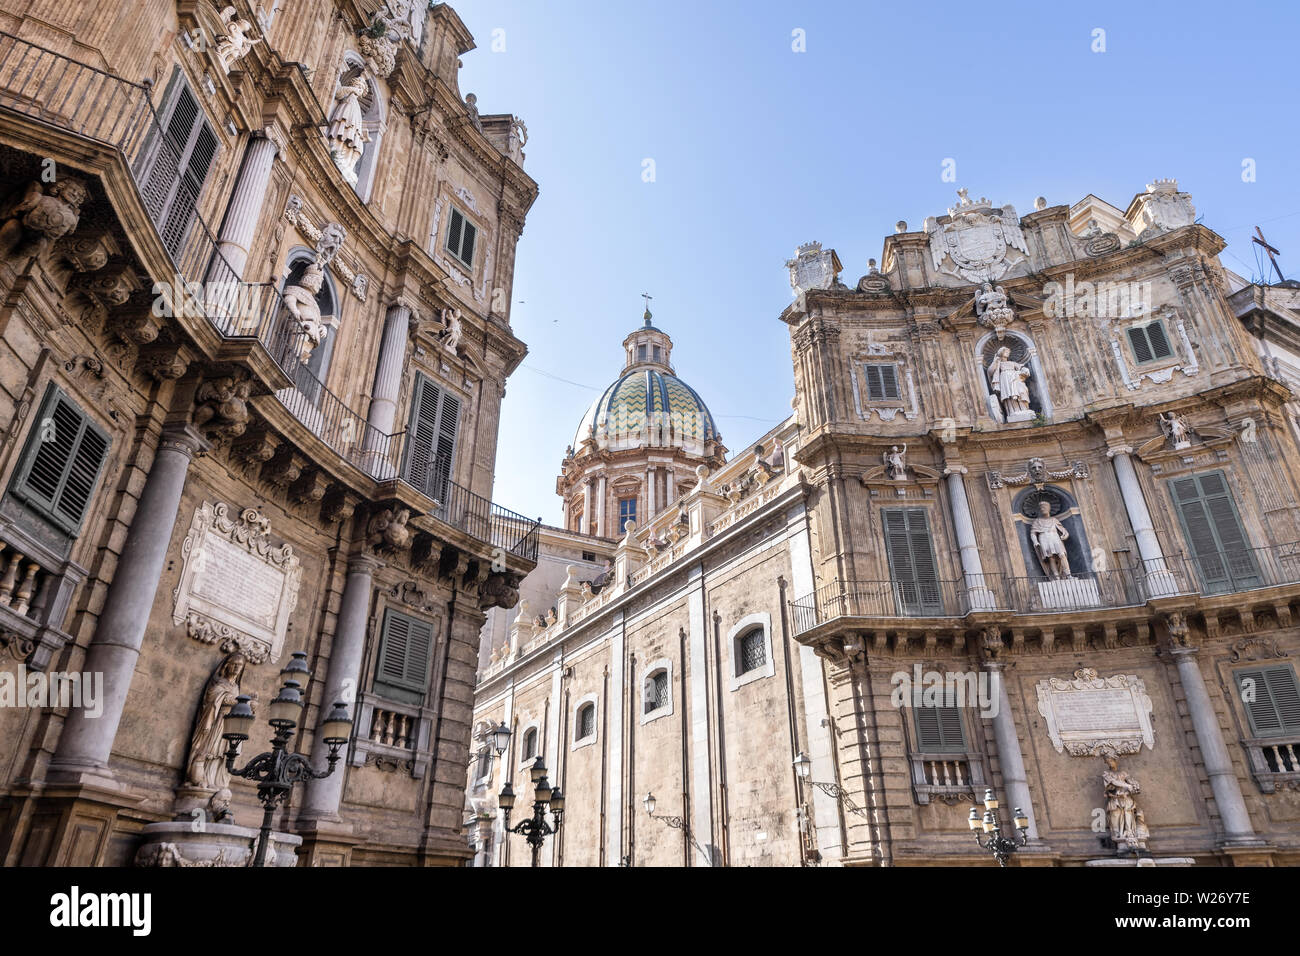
{"x":467,"y":244}
{"x":1137,"y":338}
{"x":404,"y":652}
{"x":889,"y":381}
{"x":179,"y":168}
{"x":454,"y":230}
{"x":1271,"y":697}
{"x":875,"y":388}
{"x":939,"y":730}
{"x":1159,"y":341}
{"x":431,"y":439}
{"x":1219,"y":547}
{"x":58,"y":476}
{"x":911,"y":561}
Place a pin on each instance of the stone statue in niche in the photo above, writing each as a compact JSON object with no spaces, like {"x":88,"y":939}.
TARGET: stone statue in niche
{"x":1176,"y":430}
{"x":300,"y":301}
{"x":43,"y":214}
{"x":896,"y":463}
{"x":1127,"y":823}
{"x":1049,"y":536}
{"x":452,"y":330}
{"x":348,"y":135}
{"x":235,"y":42}
{"x":1007,"y":379}
{"x":206,"y":768}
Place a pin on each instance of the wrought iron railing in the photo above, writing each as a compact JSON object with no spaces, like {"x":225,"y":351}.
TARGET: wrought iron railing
{"x":503,"y":529}
{"x":1246,"y":569}
{"x":79,"y":98}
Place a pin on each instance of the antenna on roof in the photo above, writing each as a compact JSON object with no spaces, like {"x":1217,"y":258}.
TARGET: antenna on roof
{"x":1259,"y":240}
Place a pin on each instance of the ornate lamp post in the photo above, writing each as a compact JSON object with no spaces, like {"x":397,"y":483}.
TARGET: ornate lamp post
{"x":677,"y":823}
{"x":803,"y":768}
{"x":1001,"y":846}
{"x":535,"y":829}
{"x":277,"y":770}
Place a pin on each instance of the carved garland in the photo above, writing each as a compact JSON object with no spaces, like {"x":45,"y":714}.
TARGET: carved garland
{"x":357,"y":282}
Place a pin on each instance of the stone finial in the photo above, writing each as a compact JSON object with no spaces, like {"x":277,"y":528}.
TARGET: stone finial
{"x":900,"y":226}
{"x":1040,"y":203}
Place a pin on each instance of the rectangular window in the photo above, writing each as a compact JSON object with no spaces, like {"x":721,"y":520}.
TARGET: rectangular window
{"x":1150,"y":342}
{"x":589,"y":555}
{"x":431,"y":439}
{"x":461,"y":235}
{"x":1272,"y":700}
{"x":655,"y":351}
{"x":911,"y":561}
{"x":177,"y":167}
{"x":61,"y":462}
{"x":1220,"y":551}
{"x":938,"y":730}
{"x":882,"y":382}
{"x":405,"y":649}
{"x":626,"y":512}
{"x":640,"y":353}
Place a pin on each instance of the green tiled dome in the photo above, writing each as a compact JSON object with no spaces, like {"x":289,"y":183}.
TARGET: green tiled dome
{"x":648,"y":407}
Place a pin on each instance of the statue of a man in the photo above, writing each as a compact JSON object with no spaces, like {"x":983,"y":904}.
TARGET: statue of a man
{"x":896,"y":463}
{"x":1007,"y":380}
{"x":1049,"y":536}
{"x":1175,"y":429}
{"x":348,"y":135}
{"x":207,"y":762}
{"x":1121,"y":808}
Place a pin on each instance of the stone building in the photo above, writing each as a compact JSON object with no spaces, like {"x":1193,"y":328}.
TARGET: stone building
{"x":1032,"y":527}
{"x":256,"y":264}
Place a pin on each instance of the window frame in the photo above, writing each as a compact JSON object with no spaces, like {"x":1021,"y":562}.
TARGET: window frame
{"x":416,"y":692}
{"x":1284,"y":729}
{"x":466,"y":220}
{"x":923,"y":608}
{"x":179,"y":180}
{"x":1232,"y":578}
{"x":534,"y":728}
{"x":433,"y":480}
{"x":665,"y":708}
{"x":883,"y":398}
{"x":743,"y":628}
{"x":1144,"y":329}
{"x":943,"y":748}
{"x":623,"y":517}
{"x":582,"y":704}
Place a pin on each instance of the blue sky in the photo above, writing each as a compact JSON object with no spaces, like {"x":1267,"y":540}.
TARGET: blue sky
{"x":758,"y":148}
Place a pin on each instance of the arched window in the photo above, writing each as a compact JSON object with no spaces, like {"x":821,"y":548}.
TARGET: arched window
{"x":530,"y":744}
{"x":753,"y":651}
{"x":750,"y":643}
{"x":1022,"y":351}
{"x":327,"y":301}
{"x":656,"y":691}
{"x":584,"y":725}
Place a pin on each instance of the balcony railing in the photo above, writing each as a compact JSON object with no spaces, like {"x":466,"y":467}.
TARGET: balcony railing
{"x":1246,"y":569}
{"x":75,"y":97}
{"x":1275,"y":762}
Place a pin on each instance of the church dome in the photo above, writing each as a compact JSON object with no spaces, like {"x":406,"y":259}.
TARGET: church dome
{"x":648,"y":407}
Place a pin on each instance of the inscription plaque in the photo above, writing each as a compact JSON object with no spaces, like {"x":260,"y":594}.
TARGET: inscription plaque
{"x":1095,"y":716}
{"x":236,"y":588}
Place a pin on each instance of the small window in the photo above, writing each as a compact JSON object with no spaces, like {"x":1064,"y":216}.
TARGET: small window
{"x":938,"y":730}
{"x":656,"y":691}
{"x":530,"y":743}
{"x":61,"y":462}
{"x":405,"y":651}
{"x":461,"y":235}
{"x":640,"y":353}
{"x":1150,"y":342}
{"x":1271,"y":698}
{"x":626,"y":512}
{"x":484,"y":764}
{"x":585,"y":725}
{"x":753,"y":651}
{"x":882,"y":382}
{"x":589,"y":555}
{"x":655,"y":352}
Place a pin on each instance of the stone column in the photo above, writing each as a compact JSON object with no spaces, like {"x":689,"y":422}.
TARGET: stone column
{"x":382,"y":417}
{"x":1012,"y":762}
{"x":86,"y":743}
{"x":322,"y":797}
{"x":601,"y":527}
{"x":246,"y":202}
{"x":981,"y":598}
{"x":1153,"y":571}
{"x":649,"y":496}
{"x":668,"y":478}
{"x":1209,"y":737}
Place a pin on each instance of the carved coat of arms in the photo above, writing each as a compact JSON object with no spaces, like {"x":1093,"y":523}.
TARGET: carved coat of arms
{"x":813,"y":268}
{"x":979,"y":243}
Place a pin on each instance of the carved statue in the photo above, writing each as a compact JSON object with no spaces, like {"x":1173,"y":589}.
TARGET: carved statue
{"x":348,"y":135}
{"x":300,"y":301}
{"x":500,"y":589}
{"x":777,"y":461}
{"x":896,"y":463}
{"x":471,"y":104}
{"x":451,"y":329}
{"x":221,"y":406}
{"x":206,"y":768}
{"x":1176,"y":430}
{"x":1121,"y":808}
{"x":235,"y":42}
{"x":389,"y":530}
{"x":43,"y":214}
{"x":992,"y":308}
{"x":1007,"y":380}
{"x":1049,"y":536}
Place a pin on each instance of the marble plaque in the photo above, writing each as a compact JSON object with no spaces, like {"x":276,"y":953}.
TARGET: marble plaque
{"x":236,"y":588}
{"x":1094,"y":716}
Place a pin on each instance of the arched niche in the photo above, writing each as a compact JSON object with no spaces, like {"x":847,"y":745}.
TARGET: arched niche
{"x":1066,"y":510}
{"x":374,"y":116}
{"x":328,"y":301}
{"x":1022,"y":351}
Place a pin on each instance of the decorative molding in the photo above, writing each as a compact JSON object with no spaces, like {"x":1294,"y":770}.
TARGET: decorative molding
{"x":1116,"y":721}
{"x":1037,"y":473}
{"x":328,"y":242}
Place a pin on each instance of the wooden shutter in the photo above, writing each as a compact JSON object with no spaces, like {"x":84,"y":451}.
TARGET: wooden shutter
{"x":404,"y":652}
{"x":1219,"y":547}
{"x":1274,"y":710}
{"x":58,"y":477}
{"x":889,"y":381}
{"x":454,"y":230}
{"x":179,"y":168}
{"x":445,"y":455}
{"x":431,"y":438}
{"x":1160,"y":347}
{"x":882,"y":382}
{"x":467,"y":244}
{"x":1137,"y":338}
{"x":939,"y":730}
{"x":911,"y":561}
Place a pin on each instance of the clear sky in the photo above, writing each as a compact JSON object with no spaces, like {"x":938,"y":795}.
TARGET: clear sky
{"x":757,"y":148}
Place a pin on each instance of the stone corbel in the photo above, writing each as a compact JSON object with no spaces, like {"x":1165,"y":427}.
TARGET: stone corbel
{"x":338,"y":504}
{"x":309,"y":487}
{"x":88,"y":249}
{"x":283,"y":468}
{"x":163,"y":362}
{"x":255,"y":448}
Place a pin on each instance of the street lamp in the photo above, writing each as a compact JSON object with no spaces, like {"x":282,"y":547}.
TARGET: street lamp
{"x":535,"y":829}
{"x":677,"y":823}
{"x":277,"y":770}
{"x":803,"y":769}
{"x":1000,"y":846}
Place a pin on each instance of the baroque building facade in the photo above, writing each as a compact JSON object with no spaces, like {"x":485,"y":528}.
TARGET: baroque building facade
{"x":256,"y":270}
{"x":1031,"y":528}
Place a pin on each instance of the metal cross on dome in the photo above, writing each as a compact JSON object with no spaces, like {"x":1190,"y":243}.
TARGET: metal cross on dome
{"x":647,"y":296}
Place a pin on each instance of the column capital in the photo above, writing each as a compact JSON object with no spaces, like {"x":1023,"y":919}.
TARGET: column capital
{"x":1114,"y":450}
{"x":272,"y":135}
{"x":184,"y":438}
{"x":954,"y":469}
{"x":363,"y":563}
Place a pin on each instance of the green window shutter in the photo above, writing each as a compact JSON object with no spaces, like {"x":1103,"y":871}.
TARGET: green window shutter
{"x":454,"y":230}
{"x":58,"y":476}
{"x":179,"y":168}
{"x":404,"y":652}
{"x":1274,"y":705}
{"x":1214,"y":534}
{"x":431,"y":438}
{"x":1160,"y":347}
{"x":939,"y":730}
{"x":912,"y":566}
{"x":467,"y":244}
{"x":445,"y":456}
{"x":1137,"y":339}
